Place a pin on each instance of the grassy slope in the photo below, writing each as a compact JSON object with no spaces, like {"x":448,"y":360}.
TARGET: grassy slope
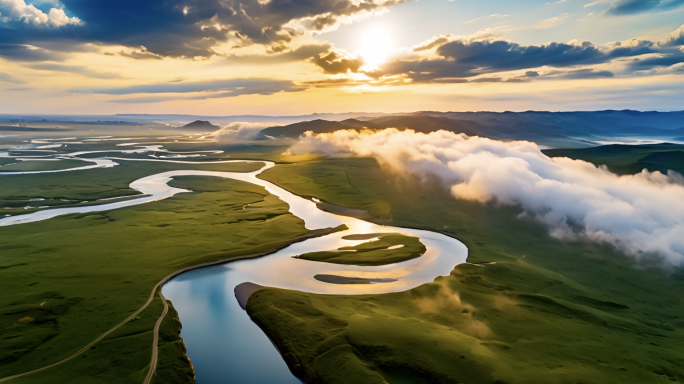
{"x":173,"y":366}
{"x":100,"y":267}
{"x":629,"y":159}
{"x":547,"y":311}
{"x":24,"y":166}
{"x":372,"y":252}
{"x":98,"y":183}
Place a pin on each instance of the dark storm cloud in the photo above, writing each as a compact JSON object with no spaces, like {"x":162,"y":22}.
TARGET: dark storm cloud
{"x":462,"y":59}
{"x":629,"y":7}
{"x":188,"y":27}
{"x":218,"y":88}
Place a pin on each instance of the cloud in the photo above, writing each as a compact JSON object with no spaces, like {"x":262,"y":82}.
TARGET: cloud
{"x":239,"y":132}
{"x":484,"y":17}
{"x":578,"y":74}
{"x":304,"y":52}
{"x":504,"y":55}
{"x":75,"y":69}
{"x":584,"y":74}
{"x":659,"y":61}
{"x":7,"y":78}
{"x":597,"y":2}
{"x":674,"y":39}
{"x":630,"y":7}
{"x":22,"y":52}
{"x":549,"y":23}
{"x":190,"y":28}
{"x":139,"y":54}
{"x":224,"y":87}
{"x":640,"y":214}
{"x":334,"y":63}
{"x":15,"y":12}
{"x":460,"y":58}
{"x":434,"y":42}
{"x":147,"y":100}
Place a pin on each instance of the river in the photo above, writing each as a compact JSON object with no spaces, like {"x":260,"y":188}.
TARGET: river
{"x":224,"y":345}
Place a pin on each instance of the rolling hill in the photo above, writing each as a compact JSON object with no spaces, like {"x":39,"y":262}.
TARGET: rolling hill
{"x":553,"y":129}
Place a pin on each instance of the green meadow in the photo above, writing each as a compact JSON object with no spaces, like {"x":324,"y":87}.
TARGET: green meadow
{"x":40,"y":165}
{"x":88,"y":187}
{"x":527,"y":308}
{"x":67,"y":280}
{"x":629,"y":159}
{"x":387,"y":249}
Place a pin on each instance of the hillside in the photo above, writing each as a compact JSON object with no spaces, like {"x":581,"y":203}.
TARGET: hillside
{"x":201,"y":126}
{"x":629,"y":159}
{"x":553,"y":129}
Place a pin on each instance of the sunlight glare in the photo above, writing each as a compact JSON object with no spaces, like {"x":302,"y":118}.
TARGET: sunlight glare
{"x":375,"y":48}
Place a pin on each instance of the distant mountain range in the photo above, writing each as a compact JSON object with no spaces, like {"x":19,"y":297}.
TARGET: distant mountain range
{"x":181,"y":120}
{"x":554,"y":129}
{"x":551,"y":129}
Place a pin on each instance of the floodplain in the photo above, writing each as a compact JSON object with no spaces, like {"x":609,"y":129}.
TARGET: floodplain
{"x":525,"y":307}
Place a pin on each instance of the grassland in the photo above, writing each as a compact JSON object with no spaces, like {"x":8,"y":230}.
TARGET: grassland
{"x":65,"y":281}
{"x":530,"y":309}
{"x":89,"y":187}
{"x":387,"y":249}
{"x":629,"y":159}
{"x":40,"y":165}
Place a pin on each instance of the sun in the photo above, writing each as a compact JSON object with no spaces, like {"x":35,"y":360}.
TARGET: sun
{"x":375,"y":47}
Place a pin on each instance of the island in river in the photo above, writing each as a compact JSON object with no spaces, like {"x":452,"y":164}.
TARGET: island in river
{"x":526,"y":307}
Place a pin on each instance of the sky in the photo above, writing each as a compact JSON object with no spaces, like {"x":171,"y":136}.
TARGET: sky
{"x":292,"y":57}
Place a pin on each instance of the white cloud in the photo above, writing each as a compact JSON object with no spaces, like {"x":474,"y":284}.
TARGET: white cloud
{"x":6,"y":77}
{"x":550,"y":22}
{"x":675,"y":38}
{"x":240,"y":131}
{"x":18,"y":10}
{"x":640,"y":214}
{"x":484,"y":17}
{"x":593,"y":3}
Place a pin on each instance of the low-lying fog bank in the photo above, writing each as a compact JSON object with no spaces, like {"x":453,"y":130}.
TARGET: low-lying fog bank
{"x":641,"y":214}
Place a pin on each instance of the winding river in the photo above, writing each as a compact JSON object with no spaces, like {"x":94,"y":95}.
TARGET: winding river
{"x":222,"y":341}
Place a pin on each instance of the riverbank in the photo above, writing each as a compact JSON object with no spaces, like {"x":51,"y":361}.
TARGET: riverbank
{"x":118,"y":273}
{"x":530,"y":307}
{"x":388,"y":248}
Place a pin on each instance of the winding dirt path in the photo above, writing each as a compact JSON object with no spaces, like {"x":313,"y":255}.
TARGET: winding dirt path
{"x":87,"y":347}
{"x":155,"y":342}
{"x":157,"y":287}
